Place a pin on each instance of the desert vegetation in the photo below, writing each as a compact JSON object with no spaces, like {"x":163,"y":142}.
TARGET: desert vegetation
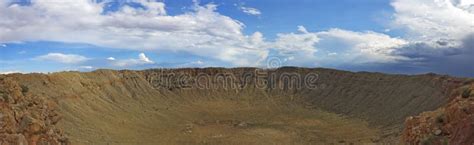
{"x":287,"y":105}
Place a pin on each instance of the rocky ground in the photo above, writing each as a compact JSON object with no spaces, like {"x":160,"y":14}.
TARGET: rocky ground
{"x":159,"y":107}
{"x":452,"y":124}
{"x":26,"y":118}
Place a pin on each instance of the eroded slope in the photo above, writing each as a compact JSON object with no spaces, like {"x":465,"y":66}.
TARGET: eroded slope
{"x":157,"y":107}
{"x":451,"y":124}
{"x":26,"y":118}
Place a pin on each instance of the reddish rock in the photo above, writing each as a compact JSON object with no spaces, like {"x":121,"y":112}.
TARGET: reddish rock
{"x":25,"y":118}
{"x":452,"y":124}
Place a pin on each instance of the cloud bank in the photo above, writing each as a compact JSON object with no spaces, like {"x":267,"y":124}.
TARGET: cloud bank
{"x":142,"y":60}
{"x":438,"y":35}
{"x":62,"y":58}
{"x":203,"y":31}
{"x":250,"y":11}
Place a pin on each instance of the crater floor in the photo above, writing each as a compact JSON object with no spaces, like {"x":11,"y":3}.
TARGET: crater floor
{"x":153,"y":107}
{"x":213,"y":122}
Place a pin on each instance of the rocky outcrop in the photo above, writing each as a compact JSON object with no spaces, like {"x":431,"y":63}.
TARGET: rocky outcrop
{"x":134,"y":107}
{"x":26,"y":119}
{"x":451,"y":124}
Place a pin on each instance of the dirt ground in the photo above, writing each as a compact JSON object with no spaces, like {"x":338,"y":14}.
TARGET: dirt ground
{"x":108,"y":107}
{"x":214,"y":122}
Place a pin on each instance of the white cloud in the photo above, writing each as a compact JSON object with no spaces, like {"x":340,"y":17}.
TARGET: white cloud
{"x":3,"y":45}
{"x":62,"y":58}
{"x":299,"y":41}
{"x":86,"y":67}
{"x":435,"y":20}
{"x":332,"y":54}
{"x":142,"y":57}
{"x":302,"y":29}
{"x":198,"y":62}
{"x":142,"y":60}
{"x":299,"y":45}
{"x":250,"y":11}
{"x":207,"y":33}
{"x":337,"y":46}
{"x":202,"y":31}
{"x":9,"y":72}
{"x":362,"y":47}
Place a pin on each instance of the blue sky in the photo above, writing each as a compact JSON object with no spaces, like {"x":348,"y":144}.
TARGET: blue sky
{"x":392,"y":36}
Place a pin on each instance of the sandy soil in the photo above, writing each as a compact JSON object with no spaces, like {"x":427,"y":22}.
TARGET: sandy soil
{"x":134,"y":107}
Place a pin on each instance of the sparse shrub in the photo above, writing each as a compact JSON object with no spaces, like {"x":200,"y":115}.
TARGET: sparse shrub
{"x":431,"y":140}
{"x":24,"y":89}
{"x":445,"y":141}
{"x":466,"y":93}
{"x":428,"y":140}
{"x":441,"y":119}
